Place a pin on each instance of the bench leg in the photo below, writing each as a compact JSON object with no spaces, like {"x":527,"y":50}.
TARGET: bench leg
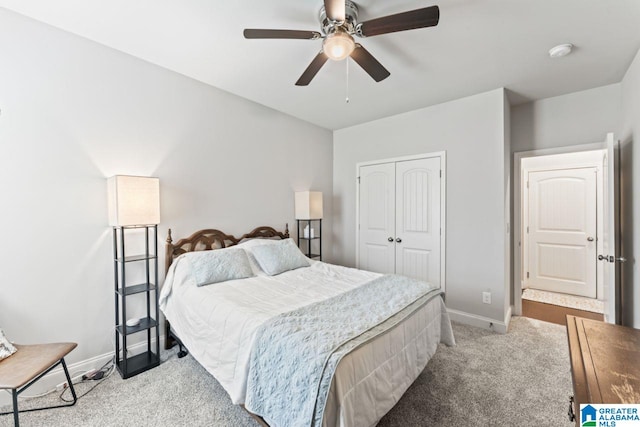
{"x":16,"y":421}
{"x":16,"y":392}
{"x":73,"y":390}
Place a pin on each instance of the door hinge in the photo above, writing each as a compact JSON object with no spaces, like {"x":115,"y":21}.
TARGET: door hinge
{"x":358,"y":180}
{"x":527,"y":229}
{"x":527,"y":184}
{"x":527,"y":274}
{"x":440,"y":173}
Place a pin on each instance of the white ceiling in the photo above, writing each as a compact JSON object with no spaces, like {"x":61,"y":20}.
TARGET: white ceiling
{"x":479,"y":45}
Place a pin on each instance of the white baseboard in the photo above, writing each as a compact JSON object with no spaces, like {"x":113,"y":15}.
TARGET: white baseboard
{"x":56,"y":377}
{"x":499,"y":326}
{"x":507,"y":317}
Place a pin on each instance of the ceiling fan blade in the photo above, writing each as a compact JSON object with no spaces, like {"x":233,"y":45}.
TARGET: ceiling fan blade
{"x":370,"y":64}
{"x":335,"y":10}
{"x":312,"y":69}
{"x":280,"y":34}
{"x":419,"y":18}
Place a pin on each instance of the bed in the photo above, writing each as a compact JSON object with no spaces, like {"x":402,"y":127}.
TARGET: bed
{"x":244,"y":331}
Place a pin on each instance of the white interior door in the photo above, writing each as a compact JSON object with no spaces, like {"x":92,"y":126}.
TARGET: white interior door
{"x":562,"y":231}
{"x":418,"y":219}
{"x":610,"y":259}
{"x":376,"y":246}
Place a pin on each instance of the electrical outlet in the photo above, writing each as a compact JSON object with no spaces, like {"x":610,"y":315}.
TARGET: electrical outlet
{"x":486,"y":297}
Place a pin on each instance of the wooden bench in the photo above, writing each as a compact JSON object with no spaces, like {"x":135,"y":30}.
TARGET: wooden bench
{"x":604,"y":364}
{"x":30,"y":363}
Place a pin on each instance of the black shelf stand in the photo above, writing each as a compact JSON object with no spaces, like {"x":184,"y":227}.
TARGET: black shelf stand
{"x":128,"y":366}
{"x":309,"y":247}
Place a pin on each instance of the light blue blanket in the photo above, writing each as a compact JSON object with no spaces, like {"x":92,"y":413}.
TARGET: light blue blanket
{"x":295,"y":354}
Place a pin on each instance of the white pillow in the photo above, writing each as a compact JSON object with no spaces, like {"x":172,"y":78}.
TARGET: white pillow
{"x":248,"y":239}
{"x":249,"y":244}
{"x":219,"y":265}
{"x":6,"y":348}
{"x":280,"y":256}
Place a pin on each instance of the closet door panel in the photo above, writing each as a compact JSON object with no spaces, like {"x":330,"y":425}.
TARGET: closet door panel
{"x":418,"y":219}
{"x":377,"y":218}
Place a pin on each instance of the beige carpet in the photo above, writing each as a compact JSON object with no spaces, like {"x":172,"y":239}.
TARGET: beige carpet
{"x":518,"y":379}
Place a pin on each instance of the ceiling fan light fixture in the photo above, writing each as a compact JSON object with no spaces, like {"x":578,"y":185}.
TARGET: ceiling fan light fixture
{"x":338,"y":45}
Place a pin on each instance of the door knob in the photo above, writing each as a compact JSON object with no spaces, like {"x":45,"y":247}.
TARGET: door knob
{"x":602,"y":258}
{"x":390,"y":239}
{"x":590,"y":239}
{"x":399,"y":240}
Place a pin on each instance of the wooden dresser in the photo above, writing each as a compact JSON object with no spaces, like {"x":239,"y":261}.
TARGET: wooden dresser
{"x":605,"y":362}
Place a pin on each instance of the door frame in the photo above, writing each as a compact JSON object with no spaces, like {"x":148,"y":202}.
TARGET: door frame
{"x":442,"y":155}
{"x":519,"y":210}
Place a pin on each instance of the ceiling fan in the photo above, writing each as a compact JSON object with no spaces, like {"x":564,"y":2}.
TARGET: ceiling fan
{"x":339,"y":23}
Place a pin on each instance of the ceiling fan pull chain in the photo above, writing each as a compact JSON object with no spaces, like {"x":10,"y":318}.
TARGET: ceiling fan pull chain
{"x":347,"y":95}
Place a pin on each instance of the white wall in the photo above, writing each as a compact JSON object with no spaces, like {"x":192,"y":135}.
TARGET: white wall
{"x":630,"y":185}
{"x":508,"y":205}
{"x":574,"y":119}
{"x":472,"y":132}
{"x":75,"y":112}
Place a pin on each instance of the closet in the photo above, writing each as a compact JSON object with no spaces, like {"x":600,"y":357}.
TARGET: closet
{"x":400,"y":215}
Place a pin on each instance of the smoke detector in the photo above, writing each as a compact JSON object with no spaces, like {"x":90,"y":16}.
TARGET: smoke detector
{"x":560,"y":50}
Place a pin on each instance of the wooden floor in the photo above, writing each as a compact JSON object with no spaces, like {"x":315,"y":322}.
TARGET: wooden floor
{"x":554,"y":313}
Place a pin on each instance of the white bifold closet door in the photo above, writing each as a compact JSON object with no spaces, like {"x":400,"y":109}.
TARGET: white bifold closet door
{"x":399,"y":218}
{"x":377,"y":251}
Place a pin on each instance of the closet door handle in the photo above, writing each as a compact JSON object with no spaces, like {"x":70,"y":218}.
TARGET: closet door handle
{"x":390,"y":239}
{"x":590,"y":239}
{"x":399,"y":240}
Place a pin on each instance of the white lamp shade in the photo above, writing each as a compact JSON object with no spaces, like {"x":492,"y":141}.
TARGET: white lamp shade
{"x":133,"y":200}
{"x":309,"y":205}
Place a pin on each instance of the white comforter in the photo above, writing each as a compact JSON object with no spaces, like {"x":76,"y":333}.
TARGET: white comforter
{"x":217,"y":322}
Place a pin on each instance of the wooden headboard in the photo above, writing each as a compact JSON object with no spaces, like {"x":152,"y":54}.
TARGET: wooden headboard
{"x":204,"y":240}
